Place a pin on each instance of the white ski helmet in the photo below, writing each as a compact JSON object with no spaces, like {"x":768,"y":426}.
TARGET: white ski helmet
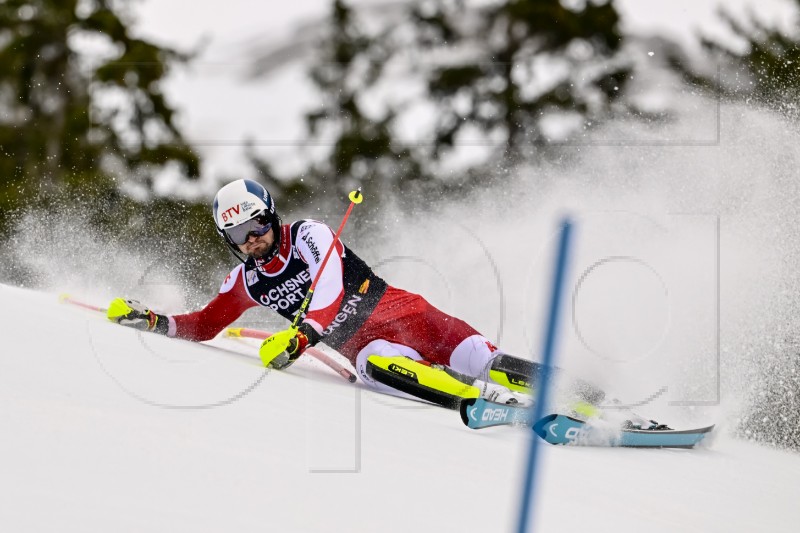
{"x":244,"y":207}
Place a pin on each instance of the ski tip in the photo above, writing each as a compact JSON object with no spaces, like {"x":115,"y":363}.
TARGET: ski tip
{"x":463,"y":407}
{"x":540,"y":427}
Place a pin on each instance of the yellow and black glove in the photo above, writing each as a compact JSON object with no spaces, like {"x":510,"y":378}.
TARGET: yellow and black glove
{"x":283,"y":348}
{"x":134,"y":314}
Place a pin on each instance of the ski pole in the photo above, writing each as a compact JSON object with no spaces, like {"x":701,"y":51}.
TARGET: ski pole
{"x":355,"y":198}
{"x":273,"y":346}
{"x":336,"y":367}
{"x":319,"y":354}
{"x":66,"y":298}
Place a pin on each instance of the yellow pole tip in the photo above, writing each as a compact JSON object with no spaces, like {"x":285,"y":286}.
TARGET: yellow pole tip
{"x":356,"y":197}
{"x":63,"y":297}
{"x":233,"y":332}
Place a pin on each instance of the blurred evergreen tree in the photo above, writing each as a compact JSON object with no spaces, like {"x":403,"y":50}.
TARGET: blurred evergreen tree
{"x":363,"y":149}
{"x":766,"y":68}
{"x":501,"y":69}
{"x":519,"y":61}
{"x":81,"y":115}
{"x":55,"y":136}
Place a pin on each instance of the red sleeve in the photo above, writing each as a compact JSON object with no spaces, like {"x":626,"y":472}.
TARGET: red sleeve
{"x":223,"y":310}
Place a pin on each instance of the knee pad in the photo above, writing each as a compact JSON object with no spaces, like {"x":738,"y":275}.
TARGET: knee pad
{"x":473,"y":357}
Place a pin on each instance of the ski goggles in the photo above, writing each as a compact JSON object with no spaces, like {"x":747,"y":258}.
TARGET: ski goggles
{"x":258,"y":226}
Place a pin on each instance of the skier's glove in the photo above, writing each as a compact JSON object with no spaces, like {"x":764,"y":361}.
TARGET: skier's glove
{"x":133,"y":314}
{"x":283,"y":348}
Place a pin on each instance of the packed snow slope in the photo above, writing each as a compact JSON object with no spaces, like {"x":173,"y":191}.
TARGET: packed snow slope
{"x":107,"y":429}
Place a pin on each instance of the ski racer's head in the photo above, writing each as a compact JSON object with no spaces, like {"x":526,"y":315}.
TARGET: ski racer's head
{"x":245,"y":216}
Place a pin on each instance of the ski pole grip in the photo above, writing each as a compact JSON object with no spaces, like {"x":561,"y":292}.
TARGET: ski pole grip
{"x":315,"y":352}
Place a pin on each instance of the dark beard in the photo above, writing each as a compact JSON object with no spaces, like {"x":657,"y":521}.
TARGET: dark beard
{"x":266,"y":255}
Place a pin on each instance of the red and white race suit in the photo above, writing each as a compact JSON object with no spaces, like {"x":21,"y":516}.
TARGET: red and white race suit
{"x":356,"y":312}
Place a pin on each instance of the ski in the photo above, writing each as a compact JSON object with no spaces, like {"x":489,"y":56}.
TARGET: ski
{"x":478,"y":413}
{"x":562,"y":429}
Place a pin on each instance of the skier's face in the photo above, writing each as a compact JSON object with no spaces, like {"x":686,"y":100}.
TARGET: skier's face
{"x":258,"y":246}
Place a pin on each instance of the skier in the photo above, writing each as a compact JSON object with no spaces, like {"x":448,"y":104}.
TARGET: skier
{"x":397,"y":341}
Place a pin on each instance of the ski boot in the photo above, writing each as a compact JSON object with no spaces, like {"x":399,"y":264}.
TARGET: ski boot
{"x":520,"y":375}
{"x":649,"y":425}
{"x":499,"y":394}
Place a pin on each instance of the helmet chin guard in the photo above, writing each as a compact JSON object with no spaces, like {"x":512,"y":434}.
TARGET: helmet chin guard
{"x":237,"y":203}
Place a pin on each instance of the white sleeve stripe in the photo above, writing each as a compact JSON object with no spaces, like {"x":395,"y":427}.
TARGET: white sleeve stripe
{"x":312,"y":245}
{"x":329,"y":286}
{"x":230,"y":280}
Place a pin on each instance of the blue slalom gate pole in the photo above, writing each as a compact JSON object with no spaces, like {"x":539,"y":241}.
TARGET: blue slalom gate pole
{"x":551,"y":334}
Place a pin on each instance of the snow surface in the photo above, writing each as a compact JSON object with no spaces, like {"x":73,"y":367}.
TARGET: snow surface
{"x":107,"y":429}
